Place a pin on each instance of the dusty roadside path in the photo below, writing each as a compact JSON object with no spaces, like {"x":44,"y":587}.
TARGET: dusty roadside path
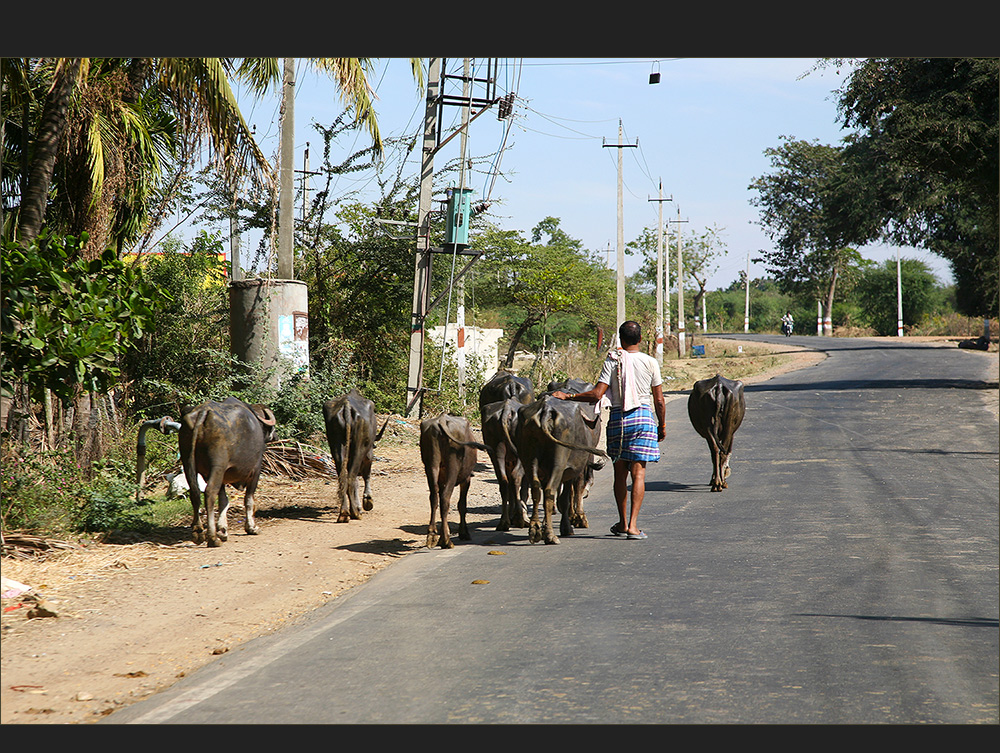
{"x":134,"y":618}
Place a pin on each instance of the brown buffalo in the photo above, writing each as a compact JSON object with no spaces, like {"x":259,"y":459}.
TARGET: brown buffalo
{"x":716,"y":408}
{"x":350,"y":432}
{"x":224,"y":443}
{"x":448,"y":451}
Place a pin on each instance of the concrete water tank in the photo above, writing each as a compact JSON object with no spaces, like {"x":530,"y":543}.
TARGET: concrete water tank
{"x":269,"y":323}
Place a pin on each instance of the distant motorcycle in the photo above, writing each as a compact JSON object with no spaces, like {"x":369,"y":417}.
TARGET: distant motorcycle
{"x":786,"y":328}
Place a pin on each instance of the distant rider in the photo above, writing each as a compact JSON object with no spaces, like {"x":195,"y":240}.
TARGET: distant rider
{"x":787,"y":322}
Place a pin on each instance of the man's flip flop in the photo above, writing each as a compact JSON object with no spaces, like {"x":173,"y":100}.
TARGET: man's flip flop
{"x":617,"y":531}
{"x":640,"y":535}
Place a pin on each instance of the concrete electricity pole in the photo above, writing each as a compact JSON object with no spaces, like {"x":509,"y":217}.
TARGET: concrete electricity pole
{"x":422,"y":262}
{"x":746,"y":306}
{"x":659,"y":277}
{"x":287,"y":173}
{"x":621,"y":233}
{"x":681,"y":346}
{"x":460,"y":313}
{"x":899,"y":297}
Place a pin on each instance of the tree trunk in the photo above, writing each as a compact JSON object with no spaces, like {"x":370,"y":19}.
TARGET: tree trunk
{"x":509,"y":362}
{"x":828,"y":306}
{"x":43,"y":163}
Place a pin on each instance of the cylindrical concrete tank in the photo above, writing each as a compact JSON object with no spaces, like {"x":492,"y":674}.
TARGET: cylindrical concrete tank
{"x":269,"y":322}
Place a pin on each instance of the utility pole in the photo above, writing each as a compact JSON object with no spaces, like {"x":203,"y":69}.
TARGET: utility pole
{"x":422,"y":262}
{"x":621,"y":232}
{"x":305,"y":172}
{"x":460,"y":313}
{"x":287,"y":173}
{"x":746,"y":306}
{"x":681,"y":347}
{"x":422,"y":303}
{"x":899,"y":297}
{"x":659,"y":277}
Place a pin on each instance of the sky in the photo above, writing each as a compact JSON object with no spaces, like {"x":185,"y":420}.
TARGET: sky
{"x":701,"y":132}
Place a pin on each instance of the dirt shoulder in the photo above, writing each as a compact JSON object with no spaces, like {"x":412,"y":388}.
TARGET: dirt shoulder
{"x":132,"y":619}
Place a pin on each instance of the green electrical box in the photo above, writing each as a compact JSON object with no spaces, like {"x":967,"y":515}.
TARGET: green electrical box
{"x":459,"y":201}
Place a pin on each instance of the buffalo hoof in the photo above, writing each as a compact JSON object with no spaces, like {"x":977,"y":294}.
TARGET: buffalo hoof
{"x":214,"y":542}
{"x":534,"y":533}
{"x":367,"y":504}
{"x":252,"y":531}
{"x":432,"y":540}
{"x":344,"y":517}
{"x":198,"y":537}
{"x":447,"y":544}
{"x":503,"y":525}
{"x":551,"y":539}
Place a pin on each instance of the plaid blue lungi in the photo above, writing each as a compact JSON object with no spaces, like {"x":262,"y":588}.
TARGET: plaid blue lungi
{"x":632,"y":436}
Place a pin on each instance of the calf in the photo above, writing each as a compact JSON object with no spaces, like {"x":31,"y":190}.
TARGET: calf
{"x":224,"y":443}
{"x":499,"y":423}
{"x":350,"y":432}
{"x":556,"y":441}
{"x":716,"y":408}
{"x":448,"y":452}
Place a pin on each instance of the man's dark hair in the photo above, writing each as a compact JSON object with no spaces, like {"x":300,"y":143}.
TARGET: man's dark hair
{"x":630,"y":333}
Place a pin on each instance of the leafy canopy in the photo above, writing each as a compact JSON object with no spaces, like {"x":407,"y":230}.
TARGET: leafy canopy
{"x":66,"y":321}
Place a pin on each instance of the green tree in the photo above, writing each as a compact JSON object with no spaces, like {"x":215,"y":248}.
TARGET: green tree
{"x":66,"y":323}
{"x":924,"y":163}
{"x":536,"y":279}
{"x":877,"y":294}
{"x":92,"y":133}
{"x":799,"y":203}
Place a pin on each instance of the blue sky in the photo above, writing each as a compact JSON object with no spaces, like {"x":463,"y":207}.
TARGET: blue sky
{"x":702,"y":131}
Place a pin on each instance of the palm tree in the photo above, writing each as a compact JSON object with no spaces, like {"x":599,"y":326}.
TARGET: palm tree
{"x":106,"y":125}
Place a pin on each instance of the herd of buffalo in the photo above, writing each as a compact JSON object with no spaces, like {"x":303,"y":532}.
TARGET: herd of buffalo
{"x":538,"y":444}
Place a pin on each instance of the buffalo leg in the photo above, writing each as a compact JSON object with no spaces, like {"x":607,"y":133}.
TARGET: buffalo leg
{"x":444,"y":502}
{"x":716,"y":467}
{"x":549,"y":535}
{"x":249,"y":506}
{"x":212,"y":486}
{"x":463,"y":528}
{"x":222,"y":527}
{"x":432,"y":534}
{"x":366,"y":472}
{"x":194,"y":492}
{"x":564,"y":503}
{"x":534,"y":528}
{"x":521,"y":518}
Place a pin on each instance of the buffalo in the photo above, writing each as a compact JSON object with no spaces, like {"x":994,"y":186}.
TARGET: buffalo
{"x":556,"y":441}
{"x":350,"y":432}
{"x":448,"y":451}
{"x":499,"y":425}
{"x":224,"y":443}
{"x":716,"y":408}
{"x":505,"y":384}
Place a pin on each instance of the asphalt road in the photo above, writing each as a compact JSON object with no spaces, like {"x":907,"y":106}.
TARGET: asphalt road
{"x":849,"y":575}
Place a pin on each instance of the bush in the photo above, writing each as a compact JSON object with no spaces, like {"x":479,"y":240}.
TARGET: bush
{"x":39,"y":490}
{"x":109,"y":503}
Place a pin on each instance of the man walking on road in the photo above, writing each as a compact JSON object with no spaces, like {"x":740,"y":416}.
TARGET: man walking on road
{"x":636,"y":392}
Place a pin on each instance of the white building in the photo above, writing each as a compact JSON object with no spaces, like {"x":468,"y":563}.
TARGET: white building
{"x":483,"y":343}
